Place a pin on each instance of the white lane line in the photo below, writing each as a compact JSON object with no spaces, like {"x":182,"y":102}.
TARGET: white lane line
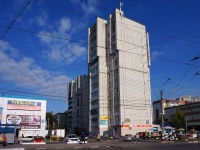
{"x":60,"y":148}
{"x":108,"y":146}
{"x":77,"y":147}
{"x":94,"y":146}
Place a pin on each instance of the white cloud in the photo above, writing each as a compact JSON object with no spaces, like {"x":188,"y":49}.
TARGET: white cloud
{"x":40,"y":20}
{"x":59,"y":50}
{"x":77,"y":50}
{"x":156,"y":54}
{"x":64,"y":25}
{"x":25,"y":73}
{"x":87,"y":6}
{"x":45,"y":39}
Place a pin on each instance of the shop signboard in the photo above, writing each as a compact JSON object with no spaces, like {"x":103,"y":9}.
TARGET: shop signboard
{"x":103,"y":120}
{"x":1,"y":108}
{"x":23,"y":105}
{"x":25,"y":121}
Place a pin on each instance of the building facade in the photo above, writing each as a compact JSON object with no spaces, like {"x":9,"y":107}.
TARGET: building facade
{"x":78,"y":105}
{"x":192,"y":114}
{"x":61,"y":121}
{"x":157,"y":107}
{"x":119,"y":76}
{"x":29,"y":114}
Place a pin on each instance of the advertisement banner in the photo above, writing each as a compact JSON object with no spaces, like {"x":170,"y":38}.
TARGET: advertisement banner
{"x":103,"y":117}
{"x":25,"y":121}
{"x":23,"y":105}
{"x":103,"y":122}
{"x":1,"y":108}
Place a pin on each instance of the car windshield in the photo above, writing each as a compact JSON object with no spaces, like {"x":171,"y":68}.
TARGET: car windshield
{"x":72,"y":136}
{"x":128,"y":135}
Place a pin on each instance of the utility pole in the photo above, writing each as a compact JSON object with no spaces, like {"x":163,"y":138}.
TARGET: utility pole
{"x":162,"y":108}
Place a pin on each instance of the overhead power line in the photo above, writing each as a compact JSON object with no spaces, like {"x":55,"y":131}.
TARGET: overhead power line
{"x":17,"y":16}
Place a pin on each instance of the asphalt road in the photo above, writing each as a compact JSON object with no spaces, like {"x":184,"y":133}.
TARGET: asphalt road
{"x":112,"y":145}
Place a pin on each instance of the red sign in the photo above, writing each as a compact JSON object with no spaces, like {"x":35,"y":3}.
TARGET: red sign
{"x":25,"y":121}
{"x":143,"y":125}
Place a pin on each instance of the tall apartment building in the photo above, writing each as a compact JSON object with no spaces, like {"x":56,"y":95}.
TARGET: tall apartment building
{"x":78,"y":105}
{"x":119,"y":76}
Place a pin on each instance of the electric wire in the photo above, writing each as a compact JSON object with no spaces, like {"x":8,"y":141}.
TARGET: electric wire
{"x":17,"y":16}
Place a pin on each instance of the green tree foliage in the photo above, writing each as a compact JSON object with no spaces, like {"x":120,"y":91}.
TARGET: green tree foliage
{"x":178,"y":120}
{"x":50,"y":119}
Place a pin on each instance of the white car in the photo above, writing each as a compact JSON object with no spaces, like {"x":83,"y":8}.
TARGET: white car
{"x":72,"y":138}
{"x":128,"y":137}
{"x":26,"y":139}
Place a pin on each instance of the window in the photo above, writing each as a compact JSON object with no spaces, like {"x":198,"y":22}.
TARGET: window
{"x":115,"y":62}
{"x":94,"y":70}
{"x":109,"y":111}
{"x":113,"y":29}
{"x":108,"y":76}
{"x":116,"y":118}
{"x":95,"y":94}
{"x":116,"y":81}
{"x":95,"y":78}
{"x":116,"y":99}
{"x":116,"y":71}
{"x":95,"y":85}
{"x":116,"y":109}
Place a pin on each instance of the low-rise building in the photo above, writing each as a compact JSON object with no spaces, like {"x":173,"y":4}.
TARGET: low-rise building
{"x":28,"y":113}
{"x":191,"y":111}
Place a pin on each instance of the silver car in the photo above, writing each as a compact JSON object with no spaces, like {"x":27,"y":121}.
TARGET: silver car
{"x":128,"y":137}
{"x":72,"y":138}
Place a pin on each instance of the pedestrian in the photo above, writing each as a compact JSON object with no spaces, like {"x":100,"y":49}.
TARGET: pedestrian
{"x":98,"y":137}
{"x":137,"y":138}
{"x":180,"y":135}
{"x":83,"y":137}
{"x":4,"y":139}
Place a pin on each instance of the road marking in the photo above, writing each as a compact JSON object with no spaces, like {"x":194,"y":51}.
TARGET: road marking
{"x":94,"y":146}
{"x":77,"y":147}
{"x":108,"y":146}
{"x":60,"y":148}
{"x":40,"y":148}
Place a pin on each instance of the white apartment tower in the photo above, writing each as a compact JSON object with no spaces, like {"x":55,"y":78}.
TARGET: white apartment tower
{"x":119,"y":76}
{"x":78,"y":116}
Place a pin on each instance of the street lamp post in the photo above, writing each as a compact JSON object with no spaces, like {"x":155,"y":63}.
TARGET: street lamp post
{"x":162,"y":111}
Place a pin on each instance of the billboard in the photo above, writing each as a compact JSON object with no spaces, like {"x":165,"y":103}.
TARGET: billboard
{"x":25,"y":121}
{"x":23,"y":105}
{"x":1,"y":108}
{"x":103,"y":120}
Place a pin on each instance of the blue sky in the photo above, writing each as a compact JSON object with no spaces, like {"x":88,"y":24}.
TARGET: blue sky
{"x":44,"y":46}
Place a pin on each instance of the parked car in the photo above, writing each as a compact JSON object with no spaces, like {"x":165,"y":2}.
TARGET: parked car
{"x":26,"y":139}
{"x":72,"y":138}
{"x":38,"y":139}
{"x":128,"y":137}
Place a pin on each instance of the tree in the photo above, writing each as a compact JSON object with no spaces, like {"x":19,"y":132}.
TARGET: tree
{"x":178,"y":121}
{"x":50,"y":120}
